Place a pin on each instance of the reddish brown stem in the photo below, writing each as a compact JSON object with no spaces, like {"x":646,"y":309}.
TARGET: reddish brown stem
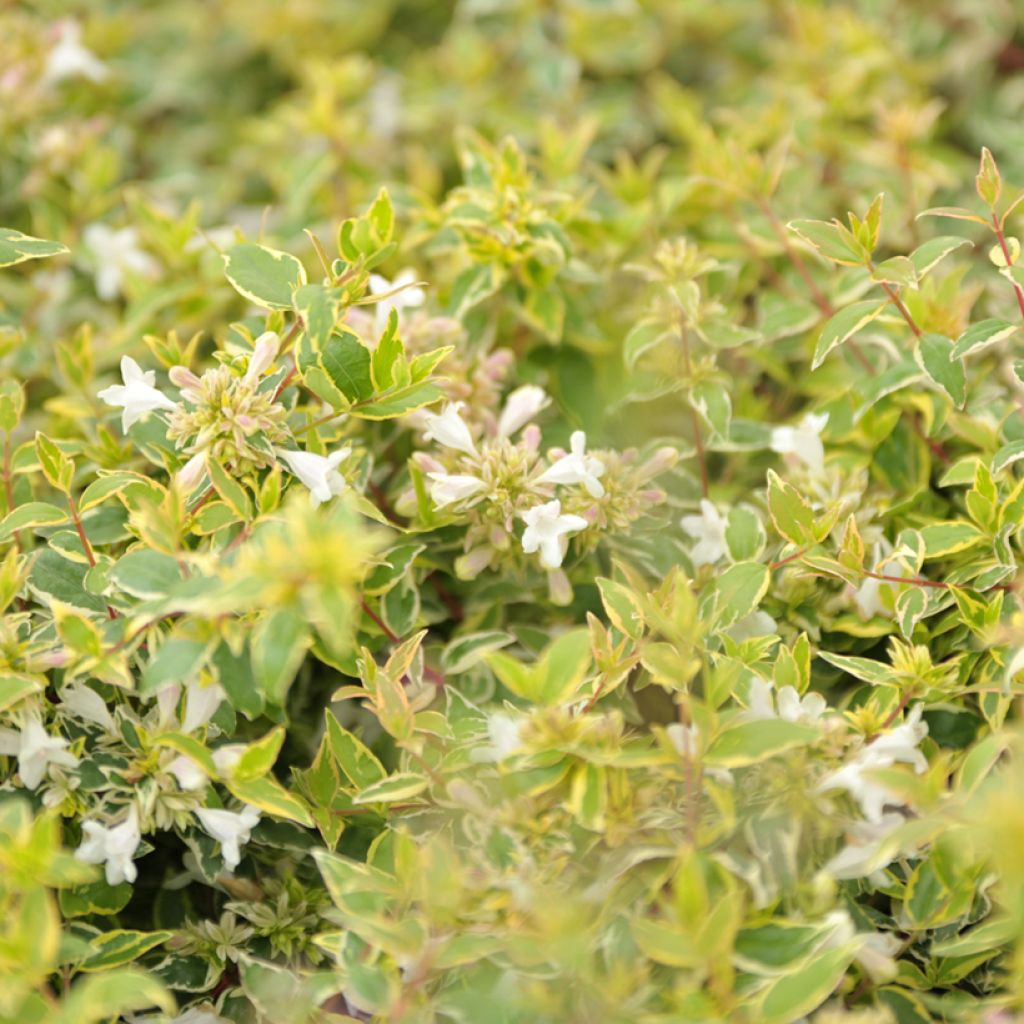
{"x":86,"y":546}
{"x":1000,"y":234}
{"x":894,"y":298}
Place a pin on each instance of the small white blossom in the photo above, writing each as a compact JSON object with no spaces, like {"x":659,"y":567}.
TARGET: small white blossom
{"x":318,"y":472}
{"x":115,"y":846}
{"x":70,"y":59}
{"x":231,"y":829}
{"x":408,"y":298}
{"x":898,"y":745}
{"x":116,"y":253}
{"x":708,"y":529}
{"x":576,"y":467}
{"x":547,"y":531}
{"x":35,"y":750}
{"x":191,"y":473}
{"x":449,"y":428}
{"x":264,"y":352}
{"x":138,"y":394}
{"x":764,"y":702}
{"x":863,"y":853}
{"x":448,"y":488}
{"x":520,"y":407}
{"x":85,"y":703}
{"x":187,"y":773}
{"x":505,"y":734}
{"x":685,"y":738}
{"x":201,"y":703}
{"x":803,"y":441}
{"x":226,"y":757}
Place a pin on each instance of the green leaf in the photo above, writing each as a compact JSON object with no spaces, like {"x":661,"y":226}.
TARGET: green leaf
{"x":562,"y":667}
{"x":53,"y":576}
{"x":791,"y":515}
{"x":32,"y":514}
{"x":876,"y":672}
{"x":466,"y":651}
{"x":17,"y":248}
{"x":231,"y":491}
{"x":258,"y":758}
{"x":269,"y":795}
{"x":898,"y":270}
{"x":740,"y":589}
{"x":397,"y":787}
{"x":95,"y":898}
{"x":752,"y":741}
{"x":266,"y":277}
{"x":645,"y":336}
{"x":399,"y":402}
{"x":744,"y":534}
{"x":846,"y":323}
{"x":346,"y":361}
{"x":664,"y":944}
{"x":176,"y":659}
{"x":357,"y":762}
{"x":320,"y":310}
{"x":981,"y":335}
{"x":832,"y":240}
{"x":1007,"y":456}
{"x":113,"y":949}
{"x":15,"y":687}
{"x":929,"y":254}
{"x":794,"y":995}
{"x":622,"y":607}
{"x":146,"y":574}
{"x":934,"y":354}
{"x":712,"y":402}
{"x":279,"y":644}
{"x":106,"y":996}
{"x":189,"y":747}
{"x":941,"y":539}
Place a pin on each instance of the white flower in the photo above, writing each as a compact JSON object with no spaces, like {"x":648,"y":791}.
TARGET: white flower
{"x":70,"y":59}
{"x":137,"y":395}
{"x":35,"y":750}
{"x":191,"y":473}
{"x":448,"y":488}
{"x":755,"y":624}
{"x":900,"y":744}
{"x":576,"y":467}
{"x":318,"y":472}
{"x":763,"y":702}
{"x":449,"y":428}
{"x":803,"y":441}
{"x":865,"y":851}
{"x":226,"y":757}
{"x":685,"y":738}
{"x":84,"y":702}
{"x":520,"y":407}
{"x":708,"y":529}
{"x":868,"y":598}
{"x":187,"y":773}
{"x":505,"y":734}
{"x":201,"y":703}
{"x":547,"y":530}
{"x":116,"y":846}
{"x":408,"y":298}
{"x":264,"y":352}
{"x":231,"y":829}
{"x":116,"y":253}
{"x":875,"y":950}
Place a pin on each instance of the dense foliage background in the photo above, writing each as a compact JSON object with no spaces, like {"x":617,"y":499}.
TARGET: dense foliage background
{"x":478,"y":541}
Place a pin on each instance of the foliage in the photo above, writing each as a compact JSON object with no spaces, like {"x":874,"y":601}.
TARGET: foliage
{"x":486,"y":535}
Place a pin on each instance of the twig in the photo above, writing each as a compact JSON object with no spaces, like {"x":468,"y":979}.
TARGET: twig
{"x":998,"y":228}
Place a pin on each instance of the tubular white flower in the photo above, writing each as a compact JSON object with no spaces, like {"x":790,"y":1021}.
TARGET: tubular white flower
{"x":520,"y":407}
{"x":318,"y":472}
{"x":803,"y":441}
{"x":708,"y":529}
{"x":226,"y":757}
{"x":114,"y":846}
{"x":187,"y":773}
{"x":448,"y":488}
{"x":264,"y":352}
{"x":547,"y":531}
{"x":70,"y":59}
{"x":191,"y":473}
{"x":116,"y":253}
{"x":898,"y":745}
{"x":201,"y":703}
{"x":85,"y":703}
{"x":35,"y":750}
{"x":138,"y":394}
{"x":450,"y":429}
{"x":576,"y":467}
{"x":408,"y":298}
{"x":231,"y":829}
